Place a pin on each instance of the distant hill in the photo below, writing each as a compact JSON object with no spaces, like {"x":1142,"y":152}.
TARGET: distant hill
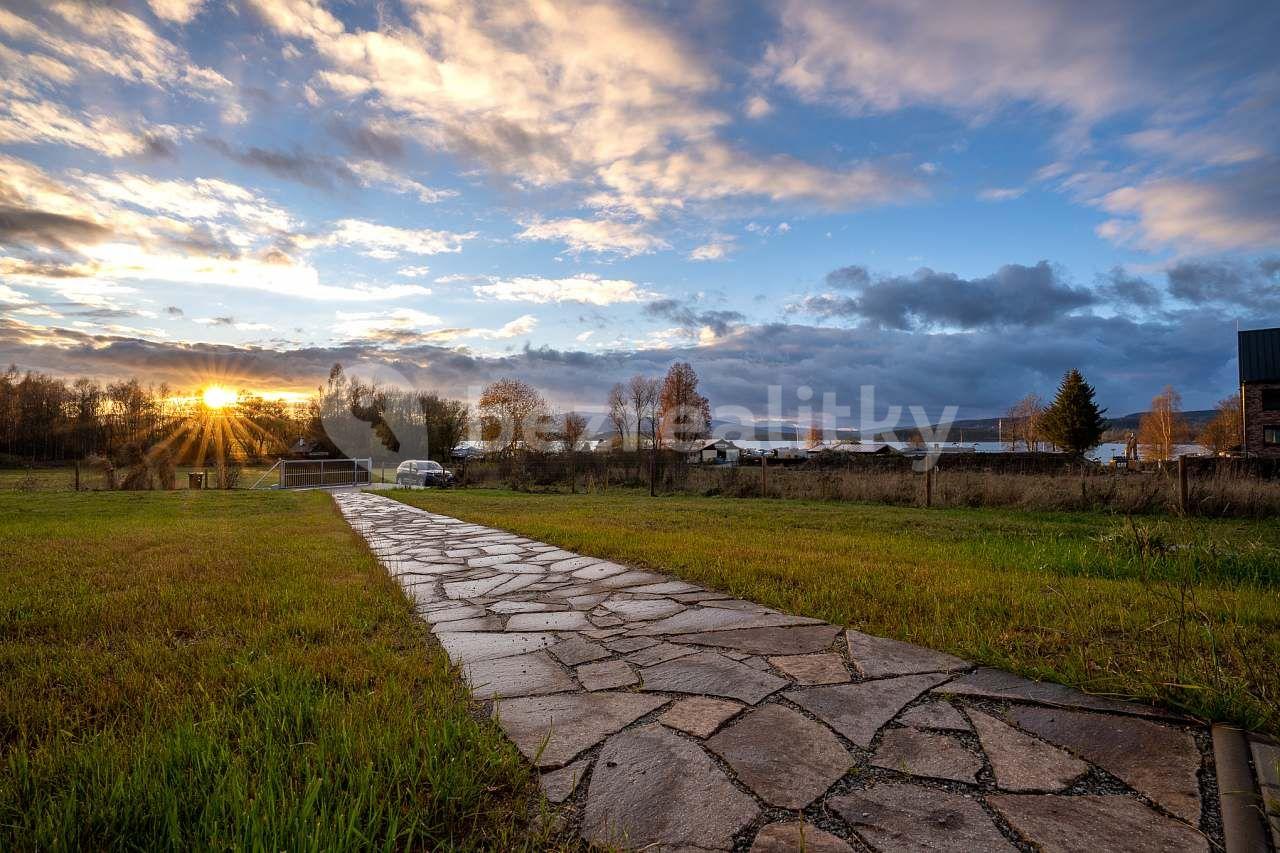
{"x":988,"y":429}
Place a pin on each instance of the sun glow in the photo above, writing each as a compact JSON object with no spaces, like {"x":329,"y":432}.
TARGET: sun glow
{"x":217,"y":397}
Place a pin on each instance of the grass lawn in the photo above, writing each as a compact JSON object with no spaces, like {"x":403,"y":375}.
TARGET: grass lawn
{"x":1184,"y":611}
{"x":201,"y":670}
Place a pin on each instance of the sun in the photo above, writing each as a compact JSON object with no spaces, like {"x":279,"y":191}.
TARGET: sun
{"x":217,"y":397}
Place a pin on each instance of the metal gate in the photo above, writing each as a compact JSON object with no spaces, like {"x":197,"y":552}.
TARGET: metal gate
{"x":318,"y":473}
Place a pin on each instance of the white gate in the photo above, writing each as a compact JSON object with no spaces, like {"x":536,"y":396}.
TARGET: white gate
{"x":318,"y":473}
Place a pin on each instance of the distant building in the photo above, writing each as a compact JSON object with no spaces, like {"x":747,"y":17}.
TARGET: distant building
{"x":306,"y":449}
{"x":1259,"y":357}
{"x":870,"y":448}
{"x":721,"y":451}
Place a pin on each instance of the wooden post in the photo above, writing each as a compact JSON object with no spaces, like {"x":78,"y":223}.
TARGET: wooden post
{"x":77,"y":475}
{"x":928,"y":486}
{"x":653,"y":469}
{"x":1182,"y":483}
{"x":764,"y":476}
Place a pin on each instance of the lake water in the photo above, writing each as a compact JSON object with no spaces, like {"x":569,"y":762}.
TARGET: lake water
{"x":1102,"y":453}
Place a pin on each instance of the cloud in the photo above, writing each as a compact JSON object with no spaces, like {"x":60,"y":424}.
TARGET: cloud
{"x":757,"y":107}
{"x":20,"y":225}
{"x":1232,"y":210}
{"x":32,"y":122}
{"x":215,"y":321}
{"x":1001,"y":194}
{"x":372,"y":173}
{"x":692,"y":319}
{"x":414,"y":271}
{"x":595,"y":235}
{"x":1252,"y":286}
{"x":587,"y":288}
{"x":386,"y":241}
{"x":174,"y":311}
{"x":177,"y":11}
{"x":403,"y":327}
{"x":1119,"y":286}
{"x":849,"y":278}
{"x":295,"y":165}
{"x":1014,"y":295}
{"x":870,"y":56}
{"x":716,"y":250}
{"x":372,"y":142}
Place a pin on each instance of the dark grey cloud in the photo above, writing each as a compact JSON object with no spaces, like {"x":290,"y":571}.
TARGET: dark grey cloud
{"x":26,"y":226}
{"x":1015,"y":295}
{"x":220,"y":321}
{"x":366,"y":141}
{"x":850,"y":277}
{"x":313,"y":170}
{"x":174,"y":311}
{"x":689,"y":317}
{"x":1121,"y":287}
{"x":1228,"y":283}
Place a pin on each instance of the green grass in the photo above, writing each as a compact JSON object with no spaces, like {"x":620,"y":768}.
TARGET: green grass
{"x":1186,"y":612}
{"x":213,"y":670}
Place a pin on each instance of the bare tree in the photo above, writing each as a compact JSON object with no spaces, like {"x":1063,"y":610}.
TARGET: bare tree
{"x":1163,"y":428}
{"x":1024,"y":422}
{"x":516,"y":413}
{"x":1223,"y":432}
{"x":620,"y":413}
{"x":575,"y":427}
{"x":643,"y":396}
{"x":683,"y":412}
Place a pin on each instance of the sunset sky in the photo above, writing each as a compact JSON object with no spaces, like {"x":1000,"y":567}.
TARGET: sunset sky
{"x":954,"y":202}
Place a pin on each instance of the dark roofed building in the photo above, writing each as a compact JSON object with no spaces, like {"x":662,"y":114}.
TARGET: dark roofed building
{"x":1259,"y":356}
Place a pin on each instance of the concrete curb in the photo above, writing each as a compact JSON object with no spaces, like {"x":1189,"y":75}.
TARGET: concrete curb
{"x":1242,"y":828}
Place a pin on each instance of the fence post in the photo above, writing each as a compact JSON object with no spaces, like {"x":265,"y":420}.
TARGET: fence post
{"x":764,"y":476}
{"x":928,"y":486}
{"x":653,"y":470}
{"x":77,"y":475}
{"x":1182,"y":484}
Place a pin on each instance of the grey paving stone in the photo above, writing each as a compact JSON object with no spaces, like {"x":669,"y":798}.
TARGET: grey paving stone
{"x":1159,"y":761}
{"x":586,"y":602}
{"x":560,"y":620}
{"x":553,"y":730}
{"x":513,"y":584}
{"x":643,"y":609}
{"x":876,"y":657}
{"x":484,"y":623}
{"x":449,"y":614}
{"x":1094,"y":824}
{"x":711,"y":674}
{"x":935,"y":715}
{"x":652,"y":787}
{"x":519,"y":675}
{"x":596,"y":571}
{"x":897,"y":816}
{"x":559,"y":785}
{"x":918,"y":753}
{"x":1266,"y":759}
{"x":507,"y":607}
{"x":625,"y":645}
{"x":998,"y":684}
{"x":574,"y":650}
{"x":471,"y":647}
{"x":786,"y":758}
{"x":669,"y":588}
{"x":659,"y":653}
{"x":606,"y":675}
{"x":473,"y":588}
{"x":798,"y":836}
{"x":699,"y":619}
{"x":857,"y":711}
{"x":812,"y":669}
{"x":768,"y":641}
{"x":1022,"y":763}
{"x":699,"y":716}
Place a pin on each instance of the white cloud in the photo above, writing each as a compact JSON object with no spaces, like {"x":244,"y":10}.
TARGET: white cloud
{"x":1001,"y":193}
{"x":373,"y":173}
{"x":587,"y":289}
{"x":49,"y":122}
{"x":713,"y":251}
{"x":757,"y":107}
{"x":413,"y":272}
{"x":595,"y":235}
{"x":177,"y":11}
{"x":387,"y":241}
{"x":583,"y":337}
{"x":409,"y":326}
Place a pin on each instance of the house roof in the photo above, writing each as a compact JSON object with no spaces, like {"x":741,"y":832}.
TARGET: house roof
{"x":1259,"y":355}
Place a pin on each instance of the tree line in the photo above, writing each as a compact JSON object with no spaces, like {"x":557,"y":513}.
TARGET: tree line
{"x":1074,"y":423}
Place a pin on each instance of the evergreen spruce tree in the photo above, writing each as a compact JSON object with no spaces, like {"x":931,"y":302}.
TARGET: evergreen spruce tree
{"x":1073,"y":420}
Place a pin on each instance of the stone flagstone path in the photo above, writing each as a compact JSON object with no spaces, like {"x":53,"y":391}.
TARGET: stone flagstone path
{"x":670,"y":717}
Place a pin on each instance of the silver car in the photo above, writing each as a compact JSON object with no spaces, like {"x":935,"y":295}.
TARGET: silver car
{"x":422,"y":472}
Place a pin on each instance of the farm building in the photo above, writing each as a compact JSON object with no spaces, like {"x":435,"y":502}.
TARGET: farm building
{"x":722,"y":451}
{"x":1259,"y":357}
{"x":874,"y":448}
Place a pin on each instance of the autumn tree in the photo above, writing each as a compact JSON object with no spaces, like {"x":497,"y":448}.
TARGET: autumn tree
{"x":573,"y":430}
{"x":642,"y":394}
{"x":1223,"y":432}
{"x":1162,"y":429}
{"x":1073,"y":422}
{"x":620,"y":412}
{"x":683,"y":412}
{"x":517,"y":410}
{"x":1024,"y":422}
{"x":445,"y":422}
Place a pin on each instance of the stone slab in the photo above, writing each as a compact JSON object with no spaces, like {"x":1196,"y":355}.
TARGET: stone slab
{"x":561,"y":620}
{"x":574,"y":650}
{"x":606,"y":675}
{"x":553,"y":730}
{"x":800,"y":640}
{"x":652,"y":789}
{"x":699,"y":716}
{"x":798,"y":836}
{"x":659,"y":653}
{"x":1095,"y":824}
{"x":918,"y":753}
{"x":786,"y":758}
{"x":519,"y":675}
{"x":1022,"y":763}
{"x":897,"y":816}
{"x":998,"y":684}
{"x":858,"y":711}
{"x":935,"y":715}
{"x":877,"y":657}
{"x":812,"y":669}
{"x":711,"y":674}
{"x":699,"y":619}
{"x":471,"y":647}
{"x":559,"y":785}
{"x":1159,"y":761}
{"x":643,"y":609}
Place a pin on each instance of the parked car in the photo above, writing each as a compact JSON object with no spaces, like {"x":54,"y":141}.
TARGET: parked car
{"x":423,"y":472}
